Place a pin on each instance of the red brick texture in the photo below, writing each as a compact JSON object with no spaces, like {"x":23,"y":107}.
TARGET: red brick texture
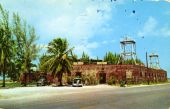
{"x":138,"y":74}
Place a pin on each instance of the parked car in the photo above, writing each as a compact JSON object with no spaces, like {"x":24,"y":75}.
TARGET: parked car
{"x":77,"y":82}
{"x":42,"y":81}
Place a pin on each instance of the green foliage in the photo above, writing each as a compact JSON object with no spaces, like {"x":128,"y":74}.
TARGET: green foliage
{"x":42,"y":66}
{"x":89,"y":78}
{"x":10,"y":84}
{"x":59,"y":58}
{"x":17,"y":46}
{"x":111,"y":58}
{"x":26,"y":49}
{"x":111,"y":80}
{"x":70,"y":79}
{"x":131,"y":61}
{"x":138,"y":61}
{"x":85,"y":58}
{"x":6,"y":42}
{"x":74,"y":57}
{"x":122,"y":83}
{"x":13,"y":84}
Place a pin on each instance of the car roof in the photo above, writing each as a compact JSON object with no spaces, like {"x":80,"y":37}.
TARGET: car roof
{"x":77,"y":78}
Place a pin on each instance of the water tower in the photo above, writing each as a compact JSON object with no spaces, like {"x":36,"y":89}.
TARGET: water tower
{"x":128,"y":50}
{"x":154,"y":61}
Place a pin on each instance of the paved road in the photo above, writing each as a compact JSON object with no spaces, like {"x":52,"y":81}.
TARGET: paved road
{"x":152,"y":97}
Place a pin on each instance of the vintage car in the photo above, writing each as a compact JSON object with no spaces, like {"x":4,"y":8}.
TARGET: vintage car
{"x":42,"y":81}
{"x":77,"y":82}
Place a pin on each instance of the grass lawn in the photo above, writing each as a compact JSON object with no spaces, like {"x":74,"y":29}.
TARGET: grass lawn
{"x":10,"y":84}
{"x":169,"y":80}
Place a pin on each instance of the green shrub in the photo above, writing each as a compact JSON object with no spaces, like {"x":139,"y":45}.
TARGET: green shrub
{"x":111,"y":80}
{"x":70,"y":79}
{"x":122,"y":83}
{"x":89,"y":78}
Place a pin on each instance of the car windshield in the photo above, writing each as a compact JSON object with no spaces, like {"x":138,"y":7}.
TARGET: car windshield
{"x":41,"y":79}
{"x":77,"y":81}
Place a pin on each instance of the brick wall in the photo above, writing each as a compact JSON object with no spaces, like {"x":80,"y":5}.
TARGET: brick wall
{"x":130,"y":73}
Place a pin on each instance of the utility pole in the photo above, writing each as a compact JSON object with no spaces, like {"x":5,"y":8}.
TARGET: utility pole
{"x":146,"y":59}
{"x":147,"y":67}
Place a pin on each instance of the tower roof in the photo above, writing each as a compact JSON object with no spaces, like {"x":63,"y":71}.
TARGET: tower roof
{"x":153,"y":55}
{"x":127,"y":40}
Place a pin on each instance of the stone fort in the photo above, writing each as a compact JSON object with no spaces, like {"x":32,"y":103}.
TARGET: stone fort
{"x":134,"y":73}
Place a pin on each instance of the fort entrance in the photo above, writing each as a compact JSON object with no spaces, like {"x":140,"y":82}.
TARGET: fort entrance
{"x":78,"y":74}
{"x":102,"y":78}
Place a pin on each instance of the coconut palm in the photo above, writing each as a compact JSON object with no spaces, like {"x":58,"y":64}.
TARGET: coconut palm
{"x":42,"y":67}
{"x":59,"y":58}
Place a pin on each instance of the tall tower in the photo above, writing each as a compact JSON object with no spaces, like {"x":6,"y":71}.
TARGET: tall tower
{"x":154,"y":61}
{"x":128,"y":50}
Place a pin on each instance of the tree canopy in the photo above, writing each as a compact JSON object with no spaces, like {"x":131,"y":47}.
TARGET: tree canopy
{"x":58,"y":59}
{"x":17,"y":46}
{"x":111,"y":58}
{"x":6,"y":42}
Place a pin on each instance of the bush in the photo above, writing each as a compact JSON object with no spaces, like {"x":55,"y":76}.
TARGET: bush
{"x":111,"y":80}
{"x":122,"y":83}
{"x":69,"y":80}
{"x":89,"y":78}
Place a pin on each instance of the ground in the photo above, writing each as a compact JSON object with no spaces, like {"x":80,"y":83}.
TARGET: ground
{"x":88,"y":97}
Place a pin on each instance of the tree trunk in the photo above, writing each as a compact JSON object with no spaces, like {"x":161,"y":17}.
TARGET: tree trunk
{"x":25,"y":79}
{"x":3,"y":85}
{"x":60,"y":79}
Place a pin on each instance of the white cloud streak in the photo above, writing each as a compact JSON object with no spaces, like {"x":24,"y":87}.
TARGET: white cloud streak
{"x":151,"y":28}
{"x":81,"y":26}
{"x":78,"y":21}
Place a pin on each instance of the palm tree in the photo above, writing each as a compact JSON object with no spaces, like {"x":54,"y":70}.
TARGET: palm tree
{"x":59,"y":58}
{"x":42,"y":67}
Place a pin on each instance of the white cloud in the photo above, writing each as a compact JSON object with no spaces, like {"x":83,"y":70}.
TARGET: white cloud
{"x":79,"y":28}
{"x":152,"y":28}
{"x":167,"y":0}
{"x":108,"y":42}
{"x":105,"y":42}
{"x":149,"y":27}
{"x":165,"y":31}
{"x":93,"y":45}
{"x":159,"y":0}
{"x":155,"y":0}
{"x":86,"y":47}
{"x":78,"y":21}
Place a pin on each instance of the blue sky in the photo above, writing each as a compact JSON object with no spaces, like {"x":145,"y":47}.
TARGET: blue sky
{"x":97,"y":26}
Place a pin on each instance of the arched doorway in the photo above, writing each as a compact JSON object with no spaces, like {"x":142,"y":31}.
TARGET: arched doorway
{"x":102,"y":78}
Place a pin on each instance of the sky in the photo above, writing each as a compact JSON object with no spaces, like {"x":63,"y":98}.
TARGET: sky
{"x":98,"y":26}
